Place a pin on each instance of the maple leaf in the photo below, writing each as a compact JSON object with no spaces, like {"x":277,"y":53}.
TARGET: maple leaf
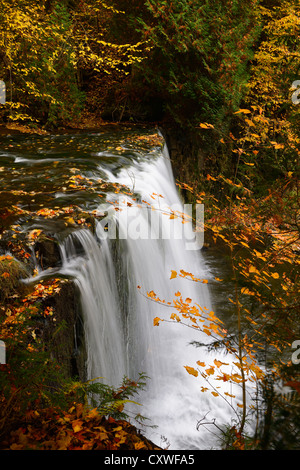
{"x":77,"y":425}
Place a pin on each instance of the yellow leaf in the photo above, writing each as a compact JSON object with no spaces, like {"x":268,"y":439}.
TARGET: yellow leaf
{"x":139,"y":445}
{"x":229,"y":395}
{"x":77,"y":425}
{"x":244,"y":290}
{"x":191,"y":371}
{"x":175,"y":317}
{"x":173,"y":274}
{"x":275,"y":275}
{"x":206,"y":125}
{"x":220,"y":363}
{"x":244,"y":111}
{"x":215,"y":394}
{"x":156,"y":321}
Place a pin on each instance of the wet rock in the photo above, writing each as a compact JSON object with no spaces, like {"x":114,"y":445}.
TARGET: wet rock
{"x":64,"y":333}
{"x":47,"y":252}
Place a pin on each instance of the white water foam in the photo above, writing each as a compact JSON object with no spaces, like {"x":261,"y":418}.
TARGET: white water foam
{"x":120,"y":334}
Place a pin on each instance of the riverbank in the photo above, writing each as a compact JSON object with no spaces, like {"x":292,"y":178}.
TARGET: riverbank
{"x":87,"y":124}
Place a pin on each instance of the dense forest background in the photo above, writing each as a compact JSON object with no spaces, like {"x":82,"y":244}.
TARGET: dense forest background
{"x":173,"y":63}
{"x":221,"y":79}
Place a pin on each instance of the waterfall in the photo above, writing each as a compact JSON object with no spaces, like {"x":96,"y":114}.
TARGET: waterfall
{"x":120,"y":334}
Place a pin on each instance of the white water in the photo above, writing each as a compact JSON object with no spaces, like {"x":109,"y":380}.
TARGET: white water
{"x":120,"y":335}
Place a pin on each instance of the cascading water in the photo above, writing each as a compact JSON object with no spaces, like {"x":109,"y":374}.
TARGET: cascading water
{"x":120,"y":334}
{"x":93,"y":273}
{"x":137,"y":240}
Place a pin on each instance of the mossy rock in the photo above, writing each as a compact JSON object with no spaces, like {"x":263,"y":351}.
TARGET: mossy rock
{"x":11,"y":273}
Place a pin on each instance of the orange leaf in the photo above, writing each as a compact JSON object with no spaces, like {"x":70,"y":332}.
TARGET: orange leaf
{"x":191,"y":371}
{"x":201,"y":364}
{"x":77,"y":425}
{"x":219,"y":363}
{"x":210,"y":371}
{"x":275,"y":275}
{"x":139,"y":445}
{"x":173,"y":274}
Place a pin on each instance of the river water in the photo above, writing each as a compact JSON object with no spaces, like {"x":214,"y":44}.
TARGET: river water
{"x":123,"y":181}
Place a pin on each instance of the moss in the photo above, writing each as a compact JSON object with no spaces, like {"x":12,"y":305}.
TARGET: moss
{"x":11,"y":272}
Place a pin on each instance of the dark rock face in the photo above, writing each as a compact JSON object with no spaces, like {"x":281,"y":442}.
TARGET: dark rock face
{"x":64,"y":335}
{"x":186,"y":153}
{"x":47,"y":252}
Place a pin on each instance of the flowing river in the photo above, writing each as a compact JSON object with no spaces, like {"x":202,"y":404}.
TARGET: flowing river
{"x":124,"y":181}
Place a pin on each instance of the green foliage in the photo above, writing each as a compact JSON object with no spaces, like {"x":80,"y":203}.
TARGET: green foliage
{"x":199,"y":57}
{"x":108,"y":400}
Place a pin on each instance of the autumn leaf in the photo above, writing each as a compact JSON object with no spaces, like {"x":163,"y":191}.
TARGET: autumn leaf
{"x":229,"y":395}
{"x":210,"y":371}
{"x":5,"y":275}
{"x":205,"y":125}
{"x":220,"y":363}
{"x":139,"y":445}
{"x":173,"y":274}
{"x":191,"y":371}
{"x":275,"y":275}
{"x":77,"y":425}
{"x":201,"y":364}
{"x":156,"y":321}
{"x":243,"y":111}
{"x":246,"y":291}
{"x":175,"y":317}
